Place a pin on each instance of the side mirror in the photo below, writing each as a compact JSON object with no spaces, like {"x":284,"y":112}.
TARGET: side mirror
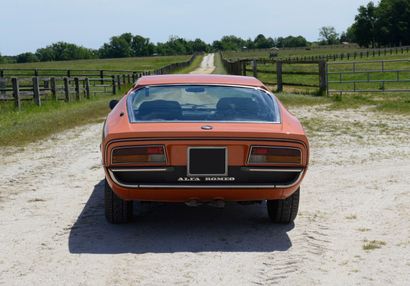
{"x":113,"y":103}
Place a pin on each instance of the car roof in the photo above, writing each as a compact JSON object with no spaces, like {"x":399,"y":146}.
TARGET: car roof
{"x":199,"y":79}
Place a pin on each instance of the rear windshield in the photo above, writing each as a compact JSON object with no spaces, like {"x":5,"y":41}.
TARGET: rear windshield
{"x":205,"y":103}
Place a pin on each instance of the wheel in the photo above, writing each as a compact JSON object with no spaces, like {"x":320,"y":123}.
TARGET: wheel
{"x":284,"y":211}
{"x":116,"y":210}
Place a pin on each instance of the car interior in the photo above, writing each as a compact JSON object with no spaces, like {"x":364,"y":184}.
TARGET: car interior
{"x":227,"y":109}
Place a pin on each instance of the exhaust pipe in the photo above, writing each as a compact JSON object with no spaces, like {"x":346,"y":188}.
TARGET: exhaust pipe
{"x":214,"y":203}
{"x":193,"y":203}
{"x":217,"y":204}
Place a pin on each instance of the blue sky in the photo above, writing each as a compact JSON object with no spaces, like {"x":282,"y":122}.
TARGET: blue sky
{"x":26,"y":25}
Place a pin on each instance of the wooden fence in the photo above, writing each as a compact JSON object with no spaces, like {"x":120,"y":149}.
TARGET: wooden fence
{"x":70,"y":84}
{"x":352,"y":55}
{"x":369,"y":76}
{"x":38,"y":88}
{"x":278,"y":72}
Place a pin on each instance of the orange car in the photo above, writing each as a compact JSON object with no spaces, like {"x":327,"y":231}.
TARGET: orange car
{"x":202,"y":139}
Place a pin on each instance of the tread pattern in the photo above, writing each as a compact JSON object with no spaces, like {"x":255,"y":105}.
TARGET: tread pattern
{"x":117,"y":211}
{"x":284,"y":211}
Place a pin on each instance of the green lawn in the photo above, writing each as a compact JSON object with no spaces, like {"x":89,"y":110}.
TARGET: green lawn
{"x":132,"y":64}
{"x":307,"y":82}
{"x":292,"y":53}
{"x":219,"y":68}
{"x":195,"y":64}
{"x":18,"y":128}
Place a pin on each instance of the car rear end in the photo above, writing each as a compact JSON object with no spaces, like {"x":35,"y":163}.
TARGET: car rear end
{"x":187,"y":143}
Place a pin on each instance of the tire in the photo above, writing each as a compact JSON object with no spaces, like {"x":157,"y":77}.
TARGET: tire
{"x":284,"y":211}
{"x":117,"y":211}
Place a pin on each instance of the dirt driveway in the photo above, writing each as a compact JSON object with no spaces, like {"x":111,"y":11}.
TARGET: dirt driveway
{"x":207,"y":65}
{"x":356,"y":195}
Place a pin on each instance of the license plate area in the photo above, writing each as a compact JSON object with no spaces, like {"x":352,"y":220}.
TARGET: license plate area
{"x":207,"y":161}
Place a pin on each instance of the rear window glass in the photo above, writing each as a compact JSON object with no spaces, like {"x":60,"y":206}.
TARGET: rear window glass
{"x":201,"y":103}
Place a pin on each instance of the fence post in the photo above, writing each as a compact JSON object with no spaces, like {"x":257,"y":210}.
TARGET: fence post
{"x":123,"y":79}
{"x":114,"y":88}
{"x":129,"y":78}
{"x":102,"y":76}
{"x":1,"y":73}
{"x":53,"y":88}
{"x":66,"y":90}
{"x":16,"y":92}
{"x":279,"y":76}
{"x":77,"y":88}
{"x":322,"y":77}
{"x":255,"y":68}
{"x":87,"y":87}
{"x":119,"y":81}
{"x":244,"y":68}
{"x":36,"y":91}
{"x":3,"y":85}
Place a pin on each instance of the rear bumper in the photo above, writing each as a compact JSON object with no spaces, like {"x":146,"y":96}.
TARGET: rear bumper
{"x":245,"y":189}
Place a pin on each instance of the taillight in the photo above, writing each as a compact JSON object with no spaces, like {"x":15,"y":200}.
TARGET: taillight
{"x":274,"y":155}
{"x":139,"y":155}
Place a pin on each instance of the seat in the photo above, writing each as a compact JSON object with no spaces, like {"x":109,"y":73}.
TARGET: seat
{"x":160,"y":110}
{"x":239,"y":108}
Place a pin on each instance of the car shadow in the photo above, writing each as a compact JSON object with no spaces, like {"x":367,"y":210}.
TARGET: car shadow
{"x":169,"y":228}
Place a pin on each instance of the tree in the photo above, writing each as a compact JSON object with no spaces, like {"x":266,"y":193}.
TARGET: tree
{"x":63,"y":51}
{"x":118,"y":47}
{"x":328,"y":35}
{"x":291,"y":42}
{"x":142,"y":46}
{"x":393,"y":22}
{"x":383,"y":25}
{"x":232,"y":43}
{"x":217,"y":46}
{"x":261,"y":42}
{"x":27,"y":58}
{"x":199,"y":46}
{"x":363,"y":29}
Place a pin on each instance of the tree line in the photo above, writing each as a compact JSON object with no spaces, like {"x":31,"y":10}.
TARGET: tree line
{"x":129,"y":45}
{"x":385,"y":24}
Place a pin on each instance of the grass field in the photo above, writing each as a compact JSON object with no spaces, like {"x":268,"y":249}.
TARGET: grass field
{"x":341,"y":76}
{"x":302,"y":95}
{"x":219,"y":68}
{"x":32,"y":123}
{"x":195,"y":64}
{"x":291,"y":53}
{"x":132,"y":64}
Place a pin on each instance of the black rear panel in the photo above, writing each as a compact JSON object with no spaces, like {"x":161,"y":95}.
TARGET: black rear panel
{"x":236,"y":175}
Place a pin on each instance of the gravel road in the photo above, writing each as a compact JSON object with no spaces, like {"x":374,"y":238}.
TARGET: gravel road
{"x":207,"y":65}
{"x":356,"y":194}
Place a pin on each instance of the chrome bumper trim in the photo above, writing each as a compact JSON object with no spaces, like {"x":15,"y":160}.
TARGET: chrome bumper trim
{"x":297,"y":170}
{"x":141,"y":170}
{"x":176,"y":186}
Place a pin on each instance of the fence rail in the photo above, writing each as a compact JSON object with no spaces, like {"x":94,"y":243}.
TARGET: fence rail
{"x":369,"y":76}
{"x":328,"y":77}
{"x":69,"y":84}
{"x":278,"y":72}
{"x":340,"y":56}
